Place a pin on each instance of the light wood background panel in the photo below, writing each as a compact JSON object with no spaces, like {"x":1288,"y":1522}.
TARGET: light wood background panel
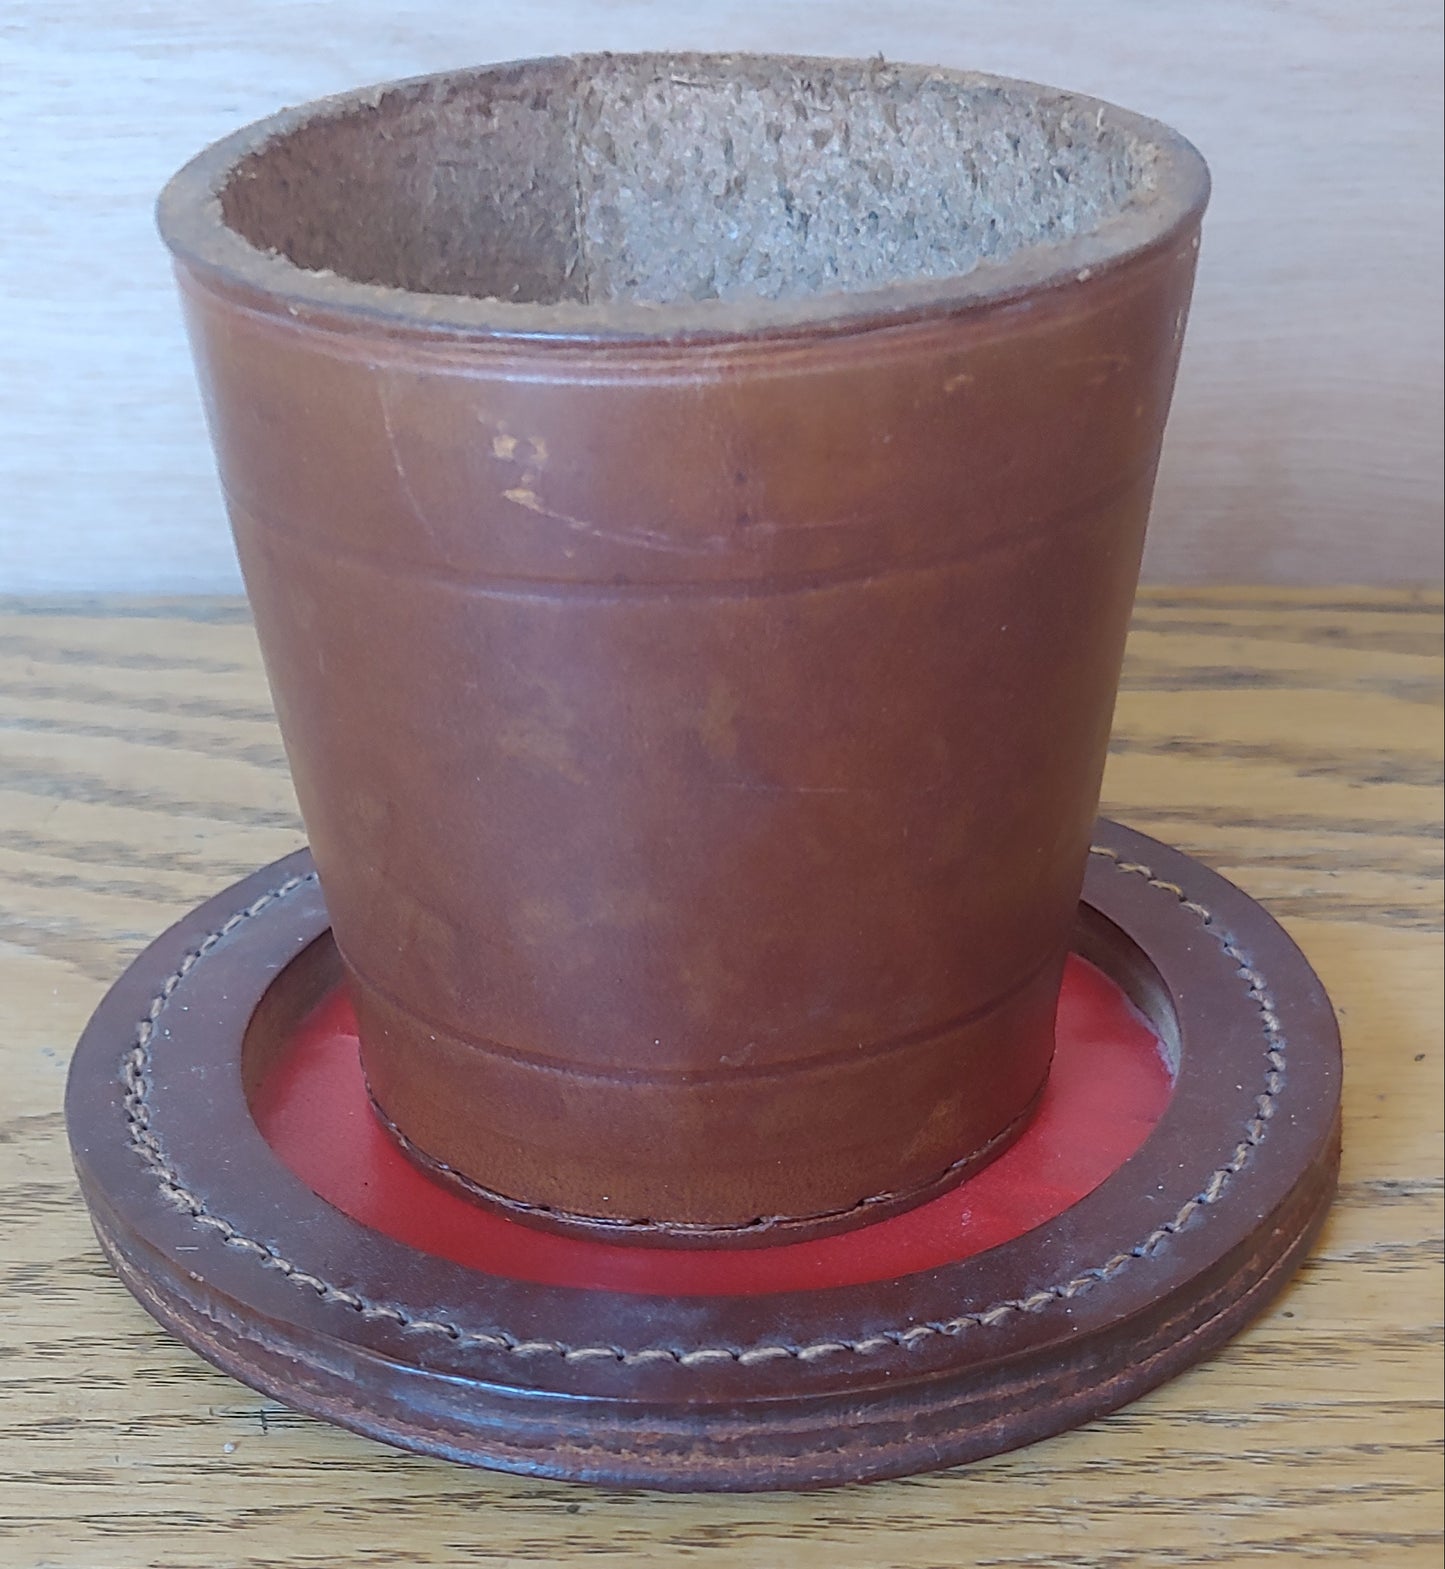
{"x":1306,"y":438}
{"x":1290,"y":739}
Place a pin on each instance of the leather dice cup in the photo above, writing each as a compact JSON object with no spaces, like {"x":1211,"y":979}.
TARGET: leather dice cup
{"x":694,"y":607}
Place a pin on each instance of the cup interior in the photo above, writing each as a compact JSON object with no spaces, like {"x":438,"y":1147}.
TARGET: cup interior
{"x":665,"y":180}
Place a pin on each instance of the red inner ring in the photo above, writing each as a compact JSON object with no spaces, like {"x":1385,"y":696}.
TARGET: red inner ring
{"x":1109,"y":1085}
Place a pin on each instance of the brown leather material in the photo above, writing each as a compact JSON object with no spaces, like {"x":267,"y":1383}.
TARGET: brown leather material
{"x":698,"y":734}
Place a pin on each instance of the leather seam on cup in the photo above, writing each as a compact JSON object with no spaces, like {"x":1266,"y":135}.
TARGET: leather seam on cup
{"x":135,"y":1103}
{"x":723,"y":1230}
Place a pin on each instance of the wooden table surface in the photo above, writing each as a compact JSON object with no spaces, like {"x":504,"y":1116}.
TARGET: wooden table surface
{"x":1292,"y":740}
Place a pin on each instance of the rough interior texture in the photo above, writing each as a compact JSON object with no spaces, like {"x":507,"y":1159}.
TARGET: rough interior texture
{"x":661,"y":180}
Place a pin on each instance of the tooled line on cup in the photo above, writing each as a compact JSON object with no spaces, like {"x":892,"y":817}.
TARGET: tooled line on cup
{"x":136,"y":1084}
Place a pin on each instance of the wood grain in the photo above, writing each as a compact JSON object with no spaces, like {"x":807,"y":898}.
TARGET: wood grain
{"x":1306,"y":439}
{"x":1291,"y":739}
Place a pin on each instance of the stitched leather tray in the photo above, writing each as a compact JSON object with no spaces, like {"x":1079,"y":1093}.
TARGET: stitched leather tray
{"x":734,"y":1385}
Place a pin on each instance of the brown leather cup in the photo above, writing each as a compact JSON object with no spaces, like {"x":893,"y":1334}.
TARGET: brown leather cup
{"x":691,"y":508}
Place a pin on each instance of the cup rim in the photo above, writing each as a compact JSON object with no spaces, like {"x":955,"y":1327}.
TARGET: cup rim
{"x":189,"y":217}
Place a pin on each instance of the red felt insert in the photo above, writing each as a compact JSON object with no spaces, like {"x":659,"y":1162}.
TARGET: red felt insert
{"x":1108,"y":1087}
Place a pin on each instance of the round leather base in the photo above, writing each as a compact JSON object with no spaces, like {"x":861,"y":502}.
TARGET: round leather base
{"x":742,"y":1388}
